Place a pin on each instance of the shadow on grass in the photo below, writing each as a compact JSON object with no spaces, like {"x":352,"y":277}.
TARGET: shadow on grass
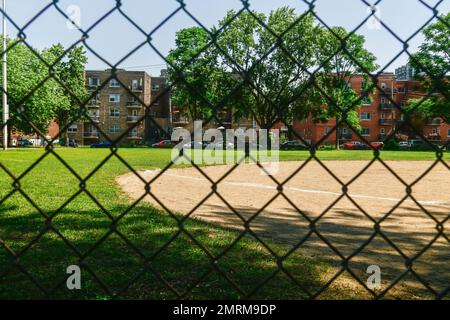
{"x":180,"y":268}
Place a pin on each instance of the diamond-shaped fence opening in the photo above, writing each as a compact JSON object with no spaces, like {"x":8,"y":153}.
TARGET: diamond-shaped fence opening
{"x":163,"y":224}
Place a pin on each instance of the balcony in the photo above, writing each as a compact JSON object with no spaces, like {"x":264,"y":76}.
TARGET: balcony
{"x":94,"y":118}
{"x":345,"y":136}
{"x":387,"y":122}
{"x":133,"y":119}
{"x":91,"y":135}
{"x":92,"y":87}
{"x":179,"y":119}
{"x":386,"y":106}
{"x":93,"y":104}
{"x":134,"y":104}
{"x":387,"y":91}
{"x":134,"y":136}
{"x":433,"y":122}
{"x":434,"y":137}
{"x":136,"y":88}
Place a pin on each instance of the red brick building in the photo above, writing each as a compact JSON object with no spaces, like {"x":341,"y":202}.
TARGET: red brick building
{"x":378,"y":116}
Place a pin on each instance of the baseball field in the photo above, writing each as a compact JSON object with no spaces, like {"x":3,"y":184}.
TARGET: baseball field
{"x":61,"y":210}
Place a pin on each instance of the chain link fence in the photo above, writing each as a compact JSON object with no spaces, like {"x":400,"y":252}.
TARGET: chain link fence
{"x":12,"y":263}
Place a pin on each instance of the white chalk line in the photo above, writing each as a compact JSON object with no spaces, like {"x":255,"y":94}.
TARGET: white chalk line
{"x":265,"y":186}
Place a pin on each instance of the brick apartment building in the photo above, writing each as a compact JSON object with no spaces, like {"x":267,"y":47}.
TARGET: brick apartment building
{"x":114,"y":109}
{"x":377,"y":115}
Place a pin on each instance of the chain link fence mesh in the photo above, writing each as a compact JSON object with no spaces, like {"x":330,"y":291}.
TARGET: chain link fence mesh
{"x":211,"y":259}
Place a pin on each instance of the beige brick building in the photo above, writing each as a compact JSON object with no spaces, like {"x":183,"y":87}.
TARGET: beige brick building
{"x":119,"y":106}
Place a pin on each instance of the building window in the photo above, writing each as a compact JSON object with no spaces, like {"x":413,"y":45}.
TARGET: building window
{"x":344,"y":130}
{"x":155,"y":87}
{"x":365,"y":132}
{"x":448,"y":133}
{"x":72,"y":128}
{"x":382,"y":116}
{"x":114,"y":83}
{"x":382,"y":131}
{"x":401,"y":90}
{"x":114,"y":112}
{"x":134,"y":113}
{"x":114,"y":98}
{"x":94,"y":82}
{"x":383,"y":85}
{"x":383,"y":100}
{"x":365,"y":116}
{"x":433,"y":131}
{"x":136,"y":84}
{"x":133,"y":132}
{"x":326,"y":131}
{"x":366,"y":101}
{"x":114,"y":128}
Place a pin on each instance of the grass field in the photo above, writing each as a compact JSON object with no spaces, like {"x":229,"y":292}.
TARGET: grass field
{"x":84,"y":221}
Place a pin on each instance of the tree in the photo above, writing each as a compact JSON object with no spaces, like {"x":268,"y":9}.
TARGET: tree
{"x":50,"y":100}
{"x":25,"y":72}
{"x":432,"y":64}
{"x":67,"y":96}
{"x":194,"y":81}
{"x":276,"y":75}
{"x":348,"y":59}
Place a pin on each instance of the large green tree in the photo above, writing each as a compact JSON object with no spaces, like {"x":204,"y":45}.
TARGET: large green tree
{"x":432,"y":65}
{"x":34,"y":103}
{"x":25,"y":72}
{"x":275,"y":75}
{"x":193,"y":70}
{"x":273,"y":56}
{"x":67,"y":84}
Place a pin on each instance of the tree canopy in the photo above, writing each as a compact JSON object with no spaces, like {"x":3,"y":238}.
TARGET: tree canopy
{"x":267,"y":62}
{"x":32,"y":96}
{"x":432,"y":65}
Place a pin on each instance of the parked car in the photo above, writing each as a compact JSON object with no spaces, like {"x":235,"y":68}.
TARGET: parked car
{"x":164,"y":144}
{"x":293,"y":145}
{"x":73,"y":143}
{"x":200,"y":145}
{"x":24,"y":143}
{"x":221,"y":145}
{"x":102,"y":144}
{"x":377,"y":145}
{"x":404,"y":145}
{"x":354,"y":145}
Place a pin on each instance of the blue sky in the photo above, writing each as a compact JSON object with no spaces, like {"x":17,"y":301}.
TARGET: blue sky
{"x":115,"y":37}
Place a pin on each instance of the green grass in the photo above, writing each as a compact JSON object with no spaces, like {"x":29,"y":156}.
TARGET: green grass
{"x":83,"y":222}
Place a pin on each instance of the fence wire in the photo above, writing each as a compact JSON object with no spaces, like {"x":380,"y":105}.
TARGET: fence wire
{"x":245,"y":80}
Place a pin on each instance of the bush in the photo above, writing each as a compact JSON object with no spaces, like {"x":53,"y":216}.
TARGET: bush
{"x":391,"y":145}
{"x":327,"y":146}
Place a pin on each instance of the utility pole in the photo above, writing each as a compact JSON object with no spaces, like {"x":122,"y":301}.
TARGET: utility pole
{"x":4,"y":84}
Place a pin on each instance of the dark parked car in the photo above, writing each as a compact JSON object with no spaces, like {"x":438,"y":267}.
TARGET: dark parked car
{"x":102,"y":144}
{"x":73,"y":143}
{"x":293,"y":145}
{"x":24,"y":143}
